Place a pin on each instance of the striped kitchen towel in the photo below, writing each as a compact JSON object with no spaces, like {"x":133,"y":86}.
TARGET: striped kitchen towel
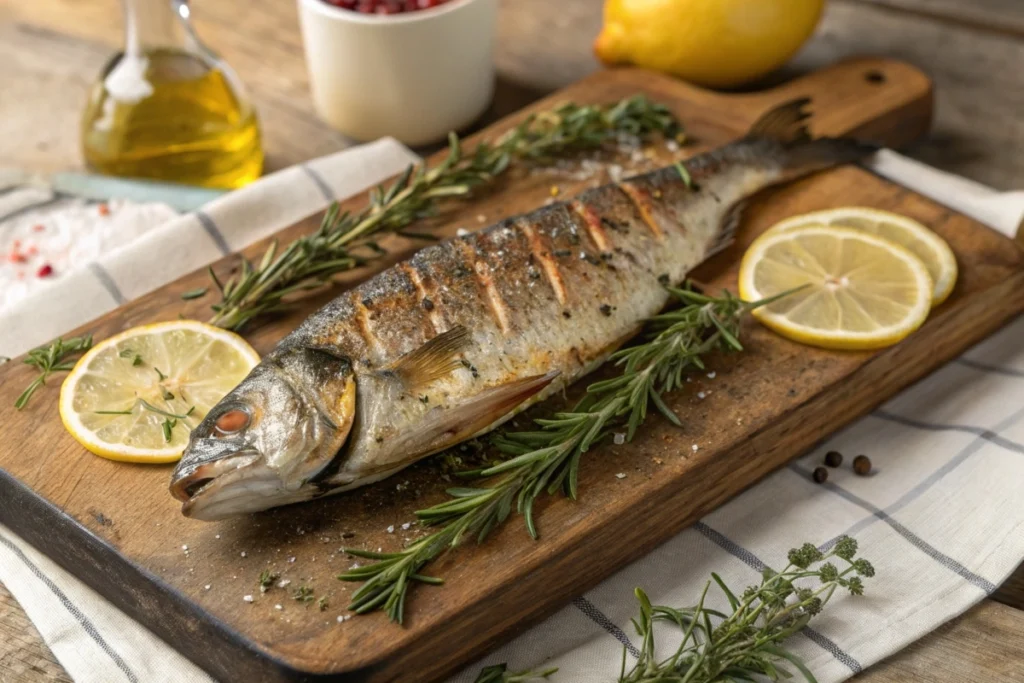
{"x":940,"y":518}
{"x":103,"y":261}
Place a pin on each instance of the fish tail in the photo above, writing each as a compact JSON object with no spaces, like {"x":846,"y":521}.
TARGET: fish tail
{"x":786,"y":125}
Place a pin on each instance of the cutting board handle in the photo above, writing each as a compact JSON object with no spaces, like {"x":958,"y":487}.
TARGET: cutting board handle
{"x":880,"y":100}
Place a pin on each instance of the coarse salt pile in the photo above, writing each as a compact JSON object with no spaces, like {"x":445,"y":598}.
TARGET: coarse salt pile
{"x":39,"y":246}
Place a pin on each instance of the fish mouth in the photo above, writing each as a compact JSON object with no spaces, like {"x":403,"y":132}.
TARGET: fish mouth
{"x":232,"y":486}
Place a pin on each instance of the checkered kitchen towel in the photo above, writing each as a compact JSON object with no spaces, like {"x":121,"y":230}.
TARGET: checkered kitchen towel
{"x":941,"y":520}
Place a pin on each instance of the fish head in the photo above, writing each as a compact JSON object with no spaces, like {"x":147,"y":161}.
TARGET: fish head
{"x":264,"y":444}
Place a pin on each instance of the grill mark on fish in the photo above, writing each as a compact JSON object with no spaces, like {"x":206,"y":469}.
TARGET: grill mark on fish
{"x":548,"y":265}
{"x":485,"y":283}
{"x":494,"y":301}
{"x":643,"y":207}
{"x":428,"y":299}
{"x":361,"y":314}
{"x":592,"y":223}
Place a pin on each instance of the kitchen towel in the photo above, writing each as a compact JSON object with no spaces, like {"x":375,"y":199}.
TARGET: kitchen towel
{"x":939,"y":518}
{"x":152,"y":257}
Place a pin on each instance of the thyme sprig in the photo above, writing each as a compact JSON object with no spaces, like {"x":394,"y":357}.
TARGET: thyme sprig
{"x":347,"y":240}
{"x":54,"y":357}
{"x":548,"y":459}
{"x":746,"y":644}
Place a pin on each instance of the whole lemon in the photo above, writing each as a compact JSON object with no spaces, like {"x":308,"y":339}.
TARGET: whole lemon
{"x":715,"y":43}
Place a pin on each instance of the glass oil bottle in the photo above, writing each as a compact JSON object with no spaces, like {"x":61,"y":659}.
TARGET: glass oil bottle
{"x":169,"y":109}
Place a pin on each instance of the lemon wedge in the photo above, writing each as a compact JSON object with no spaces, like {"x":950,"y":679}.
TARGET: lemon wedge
{"x":136,"y":396}
{"x":860,"y":291}
{"x":933,"y":251}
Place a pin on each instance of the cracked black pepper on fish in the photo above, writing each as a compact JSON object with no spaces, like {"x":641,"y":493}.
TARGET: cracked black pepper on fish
{"x":470,"y":331}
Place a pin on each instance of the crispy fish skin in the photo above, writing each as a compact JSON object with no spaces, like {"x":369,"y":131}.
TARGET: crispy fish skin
{"x":470,"y":331}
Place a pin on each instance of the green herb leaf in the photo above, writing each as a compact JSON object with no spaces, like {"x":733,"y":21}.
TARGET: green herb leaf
{"x":194,"y":293}
{"x":302,"y":594}
{"x":267,"y":579}
{"x":168,"y":425}
{"x":159,"y":374}
{"x":49,"y":359}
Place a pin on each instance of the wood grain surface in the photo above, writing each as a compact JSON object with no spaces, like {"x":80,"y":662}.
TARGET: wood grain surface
{"x":53,"y":48}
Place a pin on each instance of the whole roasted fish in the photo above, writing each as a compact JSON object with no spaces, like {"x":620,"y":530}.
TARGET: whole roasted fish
{"x":454,"y":341}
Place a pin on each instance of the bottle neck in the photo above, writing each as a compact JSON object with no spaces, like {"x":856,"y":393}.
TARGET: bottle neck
{"x":154,"y":24}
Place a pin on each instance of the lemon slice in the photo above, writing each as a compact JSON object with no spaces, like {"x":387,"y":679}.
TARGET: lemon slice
{"x":863,"y":292}
{"x":933,"y":251}
{"x":136,"y":396}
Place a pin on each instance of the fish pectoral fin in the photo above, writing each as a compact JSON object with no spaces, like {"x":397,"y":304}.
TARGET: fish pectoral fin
{"x":472,"y":416}
{"x":480,"y":412}
{"x":434,"y":360}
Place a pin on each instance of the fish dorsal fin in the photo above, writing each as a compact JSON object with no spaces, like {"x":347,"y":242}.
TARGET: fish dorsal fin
{"x":784,"y":123}
{"x":432,"y":361}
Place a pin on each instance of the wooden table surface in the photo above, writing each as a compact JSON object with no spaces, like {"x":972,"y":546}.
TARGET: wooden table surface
{"x":53,"y":49}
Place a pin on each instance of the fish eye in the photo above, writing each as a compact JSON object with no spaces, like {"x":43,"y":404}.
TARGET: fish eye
{"x":231,"y":422}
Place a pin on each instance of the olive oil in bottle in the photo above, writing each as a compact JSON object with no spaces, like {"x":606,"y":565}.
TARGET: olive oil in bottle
{"x":168,"y":109}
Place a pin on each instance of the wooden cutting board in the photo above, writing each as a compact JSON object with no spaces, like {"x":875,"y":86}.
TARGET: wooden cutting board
{"x":115,"y":526}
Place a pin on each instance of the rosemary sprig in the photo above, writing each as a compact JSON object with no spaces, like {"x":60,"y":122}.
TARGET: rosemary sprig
{"x":548,"y":459}
{"x":50,"y":359}
{"x":347,"y":240}
{"x":746,"y":644}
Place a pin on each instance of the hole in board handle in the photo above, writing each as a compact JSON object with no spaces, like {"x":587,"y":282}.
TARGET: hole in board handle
{"x":876,"y":77}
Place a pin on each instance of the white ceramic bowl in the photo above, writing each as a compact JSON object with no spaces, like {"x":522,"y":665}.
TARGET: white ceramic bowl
{"x":414,"y":76}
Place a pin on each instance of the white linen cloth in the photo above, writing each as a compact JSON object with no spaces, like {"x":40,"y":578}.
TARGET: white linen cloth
{"x":940,"y":518}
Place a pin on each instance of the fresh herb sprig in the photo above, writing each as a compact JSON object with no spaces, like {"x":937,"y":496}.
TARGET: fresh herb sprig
{"x":548,"y":459}
{"x":746,"y":644}
{"x":55,"y":357}
{"x":347,"y":240}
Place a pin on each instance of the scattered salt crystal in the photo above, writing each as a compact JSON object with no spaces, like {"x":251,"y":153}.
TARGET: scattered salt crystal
{"x":291,"y":559}
{"x":340,"y":618}
{"x":206,"y":587}
{"x":355,"y":565}
{"x":615,"y":172}
{"x":461,"y":232}
{"x":480,"y":218}
{"x":217,"y":536}
{"x":672,"y":145}
{"x":711,"y":375}
{"x":278,"y":607}
{"x":248,"y":598}
{"x":701,"y":394}
{"x":405,"y":527}
{"x":689,"y":379}
{"x":620,"y":475}
{"x":619,"y":438}
{"x":283,"y":582}
{"x":694,"y":447}
{"x":185,"y":548}
{"x":391,"y":529}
